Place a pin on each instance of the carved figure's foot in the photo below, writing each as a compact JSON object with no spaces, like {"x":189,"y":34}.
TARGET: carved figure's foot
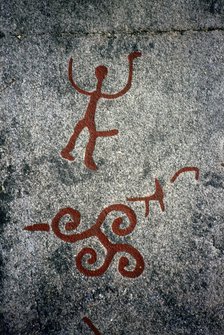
{"x":91,"y":165}
{"x":107,"y":133}
{"x":66,"y":155}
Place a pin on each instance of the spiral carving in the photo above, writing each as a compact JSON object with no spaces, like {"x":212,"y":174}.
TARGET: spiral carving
{"x":91,"y":261}
{"x":124,"y":261}
{"x":89,"y":255}
{"x":116,"y":225}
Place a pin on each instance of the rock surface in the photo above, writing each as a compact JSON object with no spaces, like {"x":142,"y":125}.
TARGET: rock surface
{"x":172,"y":117}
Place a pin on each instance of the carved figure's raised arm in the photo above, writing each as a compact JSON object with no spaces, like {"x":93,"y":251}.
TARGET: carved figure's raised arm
{"x":131,"y":57}
{"x":80,"y":90}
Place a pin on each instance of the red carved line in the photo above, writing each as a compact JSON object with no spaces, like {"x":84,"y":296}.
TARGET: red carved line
{"x":90,"y":254}
{"x":91,"y":325}
{"x":38,"y":227}
{"x":185,"y":169}
{"x":111,"y":251}
{"x":74,"y":223}
{"x":158,"y":195}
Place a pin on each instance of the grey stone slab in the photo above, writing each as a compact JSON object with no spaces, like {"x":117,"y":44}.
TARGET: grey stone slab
{"x":171,"y":117}
{"x":23,"y":17}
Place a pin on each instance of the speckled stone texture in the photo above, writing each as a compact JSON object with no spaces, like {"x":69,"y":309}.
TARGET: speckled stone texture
{"x":172,"y":117}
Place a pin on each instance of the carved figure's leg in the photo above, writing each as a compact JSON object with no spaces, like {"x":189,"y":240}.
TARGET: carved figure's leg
{"x":89,"y":162}
{"x":65,"y":153}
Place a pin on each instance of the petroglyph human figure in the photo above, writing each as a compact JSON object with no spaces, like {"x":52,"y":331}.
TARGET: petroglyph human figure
{"x":88,"y":121}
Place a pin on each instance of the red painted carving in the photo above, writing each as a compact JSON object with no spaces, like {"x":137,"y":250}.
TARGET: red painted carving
{"x":91,"y":325}
{"x":88,"y":120}
{"x":89,"y":255}
{"x":186,"y":169}
{"x":112,"y":249}
{"x":38,"y":227}
{"x":158,"y":195}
